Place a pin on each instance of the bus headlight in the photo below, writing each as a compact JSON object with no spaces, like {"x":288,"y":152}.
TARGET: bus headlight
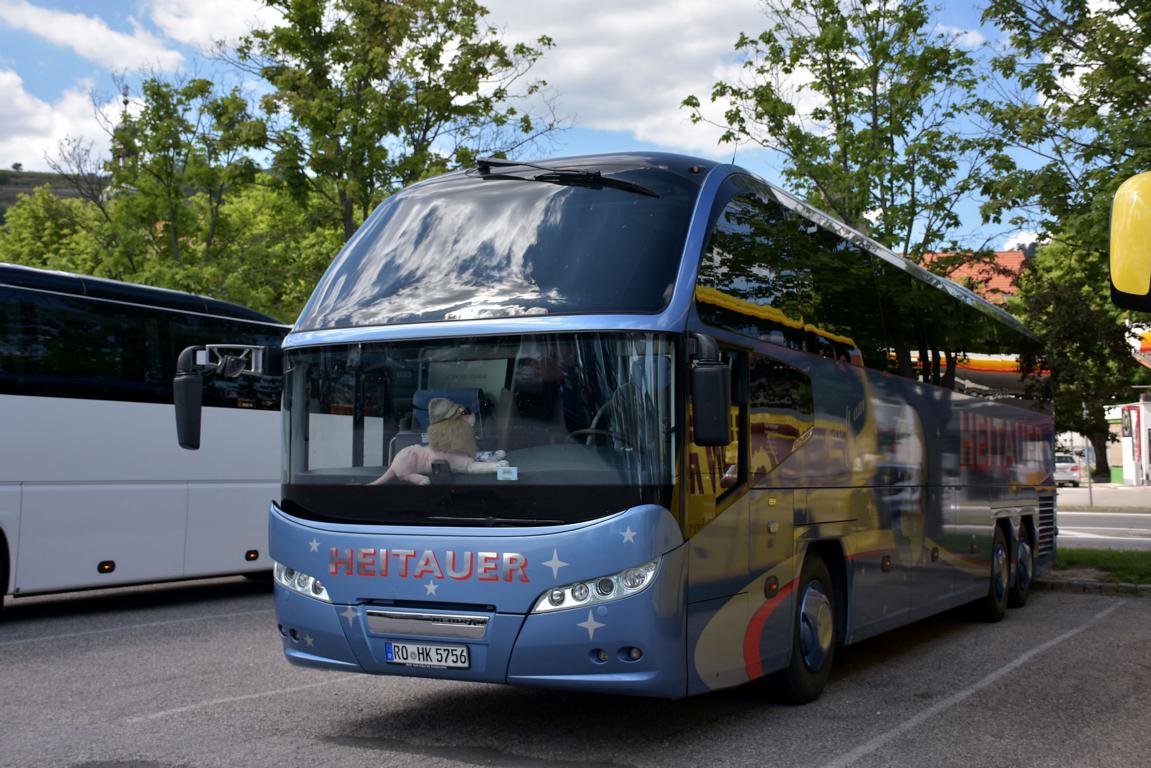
{"x":603,"y":589}
{"x":300,"y":582}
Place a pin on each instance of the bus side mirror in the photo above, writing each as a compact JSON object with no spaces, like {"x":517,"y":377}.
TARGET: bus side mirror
{"x":188,"y":394}
{"x":1131,"y":244}
{"x":710,"y":394}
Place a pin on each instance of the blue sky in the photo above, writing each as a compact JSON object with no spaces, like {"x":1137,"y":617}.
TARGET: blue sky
{"x":619,"y":69}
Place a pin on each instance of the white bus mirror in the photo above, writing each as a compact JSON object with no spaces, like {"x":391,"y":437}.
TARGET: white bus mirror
{"x":1131,"y":244}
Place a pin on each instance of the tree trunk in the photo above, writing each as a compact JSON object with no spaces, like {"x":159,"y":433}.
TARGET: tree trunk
{"x":346,"y":207}
{"x":1102,"y":473}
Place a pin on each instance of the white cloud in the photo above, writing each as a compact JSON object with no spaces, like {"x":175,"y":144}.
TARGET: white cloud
{"x":1021,"y":240}
{"x":627,"y":67}
{"x":969,"y":39}
{"x":91,"y":37}
{"x":203,"y":23}
{"x":33,"y":128}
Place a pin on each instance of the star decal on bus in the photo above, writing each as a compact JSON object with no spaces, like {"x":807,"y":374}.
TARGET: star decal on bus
{"x":314,"y":545}
{"x":555,"y":564}
{"x":431,"y":587}
{"x":628,"y":535}
{"x":591,"y":625}
{"x":350,"y":614}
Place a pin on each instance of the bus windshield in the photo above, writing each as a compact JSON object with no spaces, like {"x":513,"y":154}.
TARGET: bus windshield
{"x":510,"y":430}
{"x":473,"y":246}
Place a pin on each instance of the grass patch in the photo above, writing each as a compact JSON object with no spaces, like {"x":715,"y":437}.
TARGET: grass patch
{"x":1126,"y":566}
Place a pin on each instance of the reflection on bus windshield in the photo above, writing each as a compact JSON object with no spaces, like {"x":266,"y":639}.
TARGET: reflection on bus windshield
{"x":563,"y":409}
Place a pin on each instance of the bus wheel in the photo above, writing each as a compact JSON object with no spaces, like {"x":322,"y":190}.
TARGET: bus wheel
{"x":1024,"y":572}
{"x":814,"y":635}
{"x":995,"y":603}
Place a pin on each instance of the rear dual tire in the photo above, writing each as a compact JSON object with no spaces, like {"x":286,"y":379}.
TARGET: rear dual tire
{"x":994,"y":604}
{"x":1024,"y":571}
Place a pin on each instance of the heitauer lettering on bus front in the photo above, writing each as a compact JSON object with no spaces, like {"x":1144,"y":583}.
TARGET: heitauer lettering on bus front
{"x":408,"y":564}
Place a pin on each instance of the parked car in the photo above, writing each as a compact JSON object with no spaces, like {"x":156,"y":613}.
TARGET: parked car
{"x":1067,"y":469}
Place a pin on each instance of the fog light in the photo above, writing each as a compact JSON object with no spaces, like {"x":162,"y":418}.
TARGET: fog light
{"x":604,"y":587}
{"x":634,"y":654}
{"x":600,"y":655}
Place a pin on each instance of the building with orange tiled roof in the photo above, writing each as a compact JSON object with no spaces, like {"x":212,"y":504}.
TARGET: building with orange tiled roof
{"x":993,"y":280}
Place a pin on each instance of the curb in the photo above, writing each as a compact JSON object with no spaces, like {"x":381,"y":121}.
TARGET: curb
{"x":1092,"y":587}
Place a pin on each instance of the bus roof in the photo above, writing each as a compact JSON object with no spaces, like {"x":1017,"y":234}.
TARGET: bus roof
{"x":114,"y":290}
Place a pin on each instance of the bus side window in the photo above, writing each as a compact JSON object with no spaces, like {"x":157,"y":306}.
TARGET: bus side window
{"x":781,"y":415}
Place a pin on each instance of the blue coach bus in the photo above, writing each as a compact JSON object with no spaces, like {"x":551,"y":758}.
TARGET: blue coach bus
{"x":642,"y":424}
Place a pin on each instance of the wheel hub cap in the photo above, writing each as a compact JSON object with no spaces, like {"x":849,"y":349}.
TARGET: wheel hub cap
{"x":816,"y":626}
{"x":999,"y":571}
{"x":1024,"y":565}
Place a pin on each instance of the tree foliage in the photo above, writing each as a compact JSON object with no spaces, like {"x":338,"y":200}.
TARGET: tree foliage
{"x":207,"y":193}
{"x":372,"y":96}
{"x":1084,"y":337}
{"x":175,"y":163}
{"x":1079,"y":107}
{"x":867,"y":105}
{"x":1075,"y":101}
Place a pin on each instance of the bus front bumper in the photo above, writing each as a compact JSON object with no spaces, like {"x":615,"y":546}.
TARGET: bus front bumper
{"x":635,"y":646}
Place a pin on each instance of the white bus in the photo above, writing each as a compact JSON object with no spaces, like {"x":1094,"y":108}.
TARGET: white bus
{"x":93,"y":491}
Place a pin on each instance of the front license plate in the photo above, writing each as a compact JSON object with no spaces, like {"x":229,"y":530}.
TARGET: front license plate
{"x":421,"y":655}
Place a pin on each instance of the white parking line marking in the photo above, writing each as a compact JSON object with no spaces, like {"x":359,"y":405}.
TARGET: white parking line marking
{"x":232,"y":699}
{"x":1070,"y":533}
{"x":122,"y":628}
{"x":1068,"y":513}
{"x":868,"y":747}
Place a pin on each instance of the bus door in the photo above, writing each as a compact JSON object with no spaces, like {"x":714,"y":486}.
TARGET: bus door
{"x":781,"y":424}
{"x":716,"y":525}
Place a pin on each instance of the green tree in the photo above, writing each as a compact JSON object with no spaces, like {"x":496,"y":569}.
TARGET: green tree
{"x":1085,"y":340}
{"x":281,"y":248}
{"x":868,"y":106}
{"x":175,"y":163}
{"x":44,"y":230}
{"x":1079,"y":108}
{"x":1075,"y":104}
{"x":374,"y":95}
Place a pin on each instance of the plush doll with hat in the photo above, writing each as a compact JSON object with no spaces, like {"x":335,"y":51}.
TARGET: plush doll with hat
{"x":451,"y":438}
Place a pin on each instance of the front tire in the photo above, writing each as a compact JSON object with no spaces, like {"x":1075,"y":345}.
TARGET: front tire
{"x":995,"y":603}
{"x":813,"y":636}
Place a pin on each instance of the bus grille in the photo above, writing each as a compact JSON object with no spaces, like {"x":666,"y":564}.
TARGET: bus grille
{"x":1046,"y":546}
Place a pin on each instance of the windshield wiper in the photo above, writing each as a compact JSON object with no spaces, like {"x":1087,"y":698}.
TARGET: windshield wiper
{"x":576,"y":177}
{"x":491,"y":522}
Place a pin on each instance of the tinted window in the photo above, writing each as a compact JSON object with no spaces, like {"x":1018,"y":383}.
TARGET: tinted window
{"x":470,"y":247}
{"x":941,"y":339}
{"x":52,"y":345}
{"x":770,"y":273}
{"x":781,"y":413}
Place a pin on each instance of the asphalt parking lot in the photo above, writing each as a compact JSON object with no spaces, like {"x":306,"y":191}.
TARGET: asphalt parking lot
{"x":192,"y":675}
